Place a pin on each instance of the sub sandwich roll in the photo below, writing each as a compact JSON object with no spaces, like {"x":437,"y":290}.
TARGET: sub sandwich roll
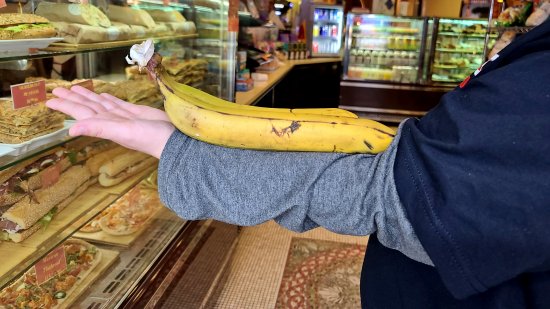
{"x":23,"y":178}
{"x":123,"y":167}
{"x":15,"y":26}
{"x":20,"y":220}
{"x":86,"y":148}
{"x":95,"y":163}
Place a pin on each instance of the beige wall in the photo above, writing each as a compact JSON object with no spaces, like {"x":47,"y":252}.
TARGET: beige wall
{"x":441,"y":8}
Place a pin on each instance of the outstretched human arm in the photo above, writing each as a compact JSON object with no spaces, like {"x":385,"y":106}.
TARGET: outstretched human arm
{"x":350,"y":194}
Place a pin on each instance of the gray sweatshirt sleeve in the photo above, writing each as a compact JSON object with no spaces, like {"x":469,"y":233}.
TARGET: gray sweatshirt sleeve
{"x":347,"y":194}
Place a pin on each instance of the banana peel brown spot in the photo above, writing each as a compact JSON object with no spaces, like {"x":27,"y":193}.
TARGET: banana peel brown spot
{"x":369,"y":146}
{"x":293,"y":127}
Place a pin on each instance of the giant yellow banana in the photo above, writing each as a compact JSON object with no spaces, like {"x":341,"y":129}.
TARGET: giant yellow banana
{"x":206,"y":100}
{"x":298,"y":132}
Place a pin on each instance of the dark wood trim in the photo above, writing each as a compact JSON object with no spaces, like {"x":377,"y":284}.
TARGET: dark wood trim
{"x":150,"y":283}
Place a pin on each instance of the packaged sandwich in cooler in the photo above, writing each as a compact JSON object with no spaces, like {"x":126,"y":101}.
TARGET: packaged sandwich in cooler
{"x":85,"y":14}
{"x":85,"y":34}
{"x":23,"y":124}
{"x":28,"y":292}
{"x":15,"y":26}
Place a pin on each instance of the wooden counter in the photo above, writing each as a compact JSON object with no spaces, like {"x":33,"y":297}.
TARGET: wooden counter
{"x":260,"y":88}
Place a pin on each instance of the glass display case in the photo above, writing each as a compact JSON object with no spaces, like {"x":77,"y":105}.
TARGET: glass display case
{"x":457,"y":49}
{"x":38,"y":265}
{"x":384,"y":48}
{"x":325,"y":28}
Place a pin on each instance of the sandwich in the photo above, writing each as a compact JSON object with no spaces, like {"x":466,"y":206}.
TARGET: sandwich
{"x":124,"y":166}
{"x":84,"y":14}
{"x":20,"y":220}
{"x":34,"y":191}
{"x":130,"y":16}
{"x":14,"y":26}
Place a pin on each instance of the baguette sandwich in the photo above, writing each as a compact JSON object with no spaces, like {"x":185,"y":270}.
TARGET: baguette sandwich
{"x":21,"y":220}
{"x":14,"y":26}
{"x":123,"y":166}
{"x":36,"y":189}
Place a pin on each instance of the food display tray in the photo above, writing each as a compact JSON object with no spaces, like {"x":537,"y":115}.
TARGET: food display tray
{"x":19,"y":256}
{"x":11,"y":46}
{"x":108,"y":258}
{"x":120,"y":240}
{"x":18,"y":149}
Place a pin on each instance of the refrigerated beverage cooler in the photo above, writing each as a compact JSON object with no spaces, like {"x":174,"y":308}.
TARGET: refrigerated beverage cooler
{"x":324,"y":30}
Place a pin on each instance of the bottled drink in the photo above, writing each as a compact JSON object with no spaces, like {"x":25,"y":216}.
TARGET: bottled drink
{"x":353,"y":57}
{"x":367,"y":57}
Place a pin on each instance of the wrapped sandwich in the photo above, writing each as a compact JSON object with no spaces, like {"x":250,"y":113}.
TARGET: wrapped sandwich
{"x":85,"y":14}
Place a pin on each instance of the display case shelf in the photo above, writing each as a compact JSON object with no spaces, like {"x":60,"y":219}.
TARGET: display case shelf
{"x":89,"y":204}
{"x":459,"y":51}
{"x":60,"y":49}
{"x":98,"y":61}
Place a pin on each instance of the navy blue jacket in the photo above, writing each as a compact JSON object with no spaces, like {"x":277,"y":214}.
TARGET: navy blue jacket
{"x":474,"y":177}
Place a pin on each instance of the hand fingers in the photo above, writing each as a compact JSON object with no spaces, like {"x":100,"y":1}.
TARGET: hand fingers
{"x":92,"y":96}
{"x":112,"y":129}
{"x":79,"y":98}
{"x":142,"y":112}
{"x":73,"y":109}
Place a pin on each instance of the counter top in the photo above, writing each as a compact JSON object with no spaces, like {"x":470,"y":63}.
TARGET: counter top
{"x":260,"y":88}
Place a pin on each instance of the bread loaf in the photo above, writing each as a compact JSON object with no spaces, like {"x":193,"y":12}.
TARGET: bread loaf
{"x":130,"y":16}
{"x":85,"y":14}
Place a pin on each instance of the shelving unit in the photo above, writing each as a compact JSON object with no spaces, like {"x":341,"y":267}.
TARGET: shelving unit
{"x":458,"y":49}
{"x":163,"y":238}
{"x":384,"y":48}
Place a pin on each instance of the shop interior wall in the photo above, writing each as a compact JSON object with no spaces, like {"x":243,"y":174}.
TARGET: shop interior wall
{"x":441,"y":8}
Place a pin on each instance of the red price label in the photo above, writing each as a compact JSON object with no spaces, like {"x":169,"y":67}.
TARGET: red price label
{"x":54,"y":263}
{"x":27,"y":94}
{"x":88,"y":84}
{"x":51,"y":175}
{"x":3,"y":3}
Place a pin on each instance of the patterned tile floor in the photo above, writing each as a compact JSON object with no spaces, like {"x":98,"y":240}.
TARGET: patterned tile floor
{"x":253,"y":275}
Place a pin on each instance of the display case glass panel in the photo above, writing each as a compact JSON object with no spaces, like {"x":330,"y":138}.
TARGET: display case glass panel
{"x":200,"y":39}
{"x":384,"y":48}
{"x":326,"y":32}
{"x":458,"y":48}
